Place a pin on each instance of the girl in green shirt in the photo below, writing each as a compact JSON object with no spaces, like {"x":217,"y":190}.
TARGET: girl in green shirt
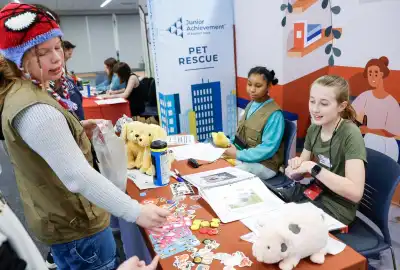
{"x":334,"y":152}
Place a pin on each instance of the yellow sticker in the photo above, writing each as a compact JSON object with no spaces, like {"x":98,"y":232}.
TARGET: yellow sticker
{"x":197,"y":260}
{"x":214,"y":224}
{"x":195,"y":227}
{"x":205,"y":224}
{"x":197,"y":222}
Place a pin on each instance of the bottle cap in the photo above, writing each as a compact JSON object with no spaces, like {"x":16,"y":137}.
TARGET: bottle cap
{"x":158,"y":144}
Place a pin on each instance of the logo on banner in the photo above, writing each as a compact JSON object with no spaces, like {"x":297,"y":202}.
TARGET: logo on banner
{"x":193,"y":27}
{"x":177,"y":28}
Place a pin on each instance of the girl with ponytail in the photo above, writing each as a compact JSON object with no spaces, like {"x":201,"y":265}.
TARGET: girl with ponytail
{"x":334,"y":152}
{"x":258,"y":144}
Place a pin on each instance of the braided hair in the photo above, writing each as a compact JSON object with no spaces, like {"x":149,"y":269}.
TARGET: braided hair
{"x":269,"y":75}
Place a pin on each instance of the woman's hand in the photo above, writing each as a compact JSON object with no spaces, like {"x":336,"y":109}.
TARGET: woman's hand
{"x":89,"y":125}
{"x":305,"y":167}
{"x":152,"y":217}
{"x":289,"y":172}
{"x":134,"y":264}
{"x":108,"y":96}
{"x":297,"y":174}
{"x":294,"y":163}
{"x":230,"y":152}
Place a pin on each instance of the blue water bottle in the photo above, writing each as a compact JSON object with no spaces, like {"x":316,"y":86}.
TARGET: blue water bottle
{"x":88,"y":90}
{"x":159,"y":158}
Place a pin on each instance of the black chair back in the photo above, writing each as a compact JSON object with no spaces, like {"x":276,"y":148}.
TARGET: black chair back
{"x":382,"y":176}
{"x":289,"y":136}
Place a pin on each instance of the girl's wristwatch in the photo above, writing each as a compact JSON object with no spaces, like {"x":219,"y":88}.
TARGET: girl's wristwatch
{"x":316,"y":170}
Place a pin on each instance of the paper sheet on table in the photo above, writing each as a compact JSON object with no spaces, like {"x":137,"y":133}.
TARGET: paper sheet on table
{"x":218,"y":177}
{"x":110,"y":101}
{"x":180,"y":140}
{"x":240,"y":200}
{"x":142,"y":181}
{"x":334,"y":246}
{"x":199,"y":151}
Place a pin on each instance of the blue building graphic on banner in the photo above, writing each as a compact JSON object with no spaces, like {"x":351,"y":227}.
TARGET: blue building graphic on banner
{"x":207,"y":105}
{"x":184,"y":121}
{"x":231,"y":114}
{"x":170,"y":110}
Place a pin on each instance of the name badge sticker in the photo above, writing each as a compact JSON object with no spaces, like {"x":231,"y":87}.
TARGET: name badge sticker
{"x":324,"y":161}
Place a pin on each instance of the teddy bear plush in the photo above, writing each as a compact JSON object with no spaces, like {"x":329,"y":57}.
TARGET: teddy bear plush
{"x":296,"y":232}
{"x":147,"y":135}
{"x":130,"y":134}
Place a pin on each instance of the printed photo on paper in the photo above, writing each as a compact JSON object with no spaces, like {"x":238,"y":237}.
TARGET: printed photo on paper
{"x":218,"y":177}
{"x":242,"y":198}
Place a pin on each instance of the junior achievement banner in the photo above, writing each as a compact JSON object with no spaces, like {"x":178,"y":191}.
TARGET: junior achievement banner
{"x":193,"y":49}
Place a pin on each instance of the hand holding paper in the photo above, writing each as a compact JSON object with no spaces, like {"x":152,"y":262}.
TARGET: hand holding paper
{"x":152,"y":216}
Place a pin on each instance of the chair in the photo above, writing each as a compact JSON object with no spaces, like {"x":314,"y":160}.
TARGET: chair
{"x":382,"y":178}
{"x":280,"y":180}
{"x":100,"y":77}
{"x":150,"y":111}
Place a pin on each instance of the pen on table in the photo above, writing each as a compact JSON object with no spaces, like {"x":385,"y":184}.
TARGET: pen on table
{"x":172,"y":206}
{"x":177,"y":176}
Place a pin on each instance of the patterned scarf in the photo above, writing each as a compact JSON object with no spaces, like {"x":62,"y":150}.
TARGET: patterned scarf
{"x":64,"y":101}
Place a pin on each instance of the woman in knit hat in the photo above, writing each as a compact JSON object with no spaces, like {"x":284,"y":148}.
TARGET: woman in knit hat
{"x":65,"y":199}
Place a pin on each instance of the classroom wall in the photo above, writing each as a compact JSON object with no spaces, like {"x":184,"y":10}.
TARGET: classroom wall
{"x":94,"y":38}
{"x":259,"y":40}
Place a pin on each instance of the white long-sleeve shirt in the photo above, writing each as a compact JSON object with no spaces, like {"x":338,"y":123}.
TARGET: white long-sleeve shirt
{"x":45,"y":131}
{"x":12,"y":230}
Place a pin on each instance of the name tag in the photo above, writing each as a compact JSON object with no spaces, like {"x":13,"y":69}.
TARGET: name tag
{"x":324,"y":161}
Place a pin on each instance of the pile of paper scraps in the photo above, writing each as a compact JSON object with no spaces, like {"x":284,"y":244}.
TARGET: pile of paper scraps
{"x":204,"y":257}
{"x":236,"y":259}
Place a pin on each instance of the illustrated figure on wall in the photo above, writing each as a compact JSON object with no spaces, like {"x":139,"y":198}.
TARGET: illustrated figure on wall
{"x":378,"y":111}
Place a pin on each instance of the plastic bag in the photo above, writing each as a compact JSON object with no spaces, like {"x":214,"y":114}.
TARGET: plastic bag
{"x":111,"y":154}
{"x":121,"y":122}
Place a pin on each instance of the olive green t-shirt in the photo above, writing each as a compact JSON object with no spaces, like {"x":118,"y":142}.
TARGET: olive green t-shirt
{"x":346,"y":144}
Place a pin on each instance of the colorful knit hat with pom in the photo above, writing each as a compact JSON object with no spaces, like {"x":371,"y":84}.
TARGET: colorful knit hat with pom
{"x":22,"y":27}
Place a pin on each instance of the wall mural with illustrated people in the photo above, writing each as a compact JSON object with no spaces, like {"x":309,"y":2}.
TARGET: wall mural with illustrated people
{"x":372,"y":67}
{"x":294,"y":43}
{"x":378,"y":111}
{"x":305,"y":39}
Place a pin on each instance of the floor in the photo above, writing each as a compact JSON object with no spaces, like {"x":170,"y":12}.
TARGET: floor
{"x":385,"y":262}
{"x":9,"y":190}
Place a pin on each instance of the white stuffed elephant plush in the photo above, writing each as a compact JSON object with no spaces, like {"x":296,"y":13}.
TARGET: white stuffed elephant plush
{"x":298,"y":231}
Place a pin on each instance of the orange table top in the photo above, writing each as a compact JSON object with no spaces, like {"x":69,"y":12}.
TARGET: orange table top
{"x":229,"y":236}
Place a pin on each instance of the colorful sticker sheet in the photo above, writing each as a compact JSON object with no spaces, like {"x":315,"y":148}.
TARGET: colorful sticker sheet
{"x":175,"y":237}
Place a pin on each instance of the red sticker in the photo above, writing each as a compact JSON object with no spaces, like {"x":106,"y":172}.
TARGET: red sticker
{"x":148,"y":201}
{"x":204,"y":230}
{"x":213,"y":232}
